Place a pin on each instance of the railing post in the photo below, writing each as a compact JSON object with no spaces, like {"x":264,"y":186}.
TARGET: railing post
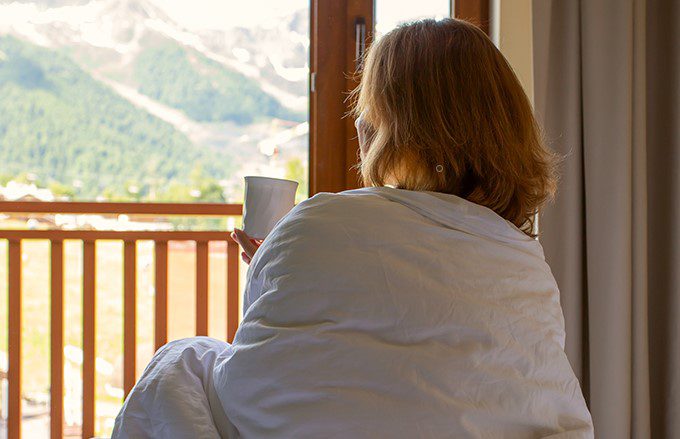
{"x":129,"y":315}
{"x":56,"y":339}
{"x":161,"y":296}
{"x":89,"y":313}
{"x":14,"y":341}
{"x":232,"y":289}
{"x":201,"y":288}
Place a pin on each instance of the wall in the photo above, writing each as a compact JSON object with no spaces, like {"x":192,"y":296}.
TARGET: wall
{"x":511,"y":30}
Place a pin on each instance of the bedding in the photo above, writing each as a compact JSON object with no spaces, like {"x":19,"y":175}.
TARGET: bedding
{"x":381,"y":312}
{"x":175,"y":397}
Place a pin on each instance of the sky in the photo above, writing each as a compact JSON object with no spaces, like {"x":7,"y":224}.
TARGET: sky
{"x":220,"y":14}
{"x":225,"y":14}
{"x":389,"y":13}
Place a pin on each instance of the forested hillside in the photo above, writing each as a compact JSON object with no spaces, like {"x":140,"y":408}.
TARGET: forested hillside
{"x":203,"y":89}
{"x":56,"y":120}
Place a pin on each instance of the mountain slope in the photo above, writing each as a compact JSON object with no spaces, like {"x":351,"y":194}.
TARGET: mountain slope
{"x":106,"y":35}
{"x":204,"y":89}
{"x":60,"y":123}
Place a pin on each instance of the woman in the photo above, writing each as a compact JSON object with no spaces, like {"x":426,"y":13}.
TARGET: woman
{"x":418,"y":306}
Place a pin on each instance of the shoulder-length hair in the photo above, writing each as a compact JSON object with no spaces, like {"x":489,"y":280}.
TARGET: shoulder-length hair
{"x":443,"y":111}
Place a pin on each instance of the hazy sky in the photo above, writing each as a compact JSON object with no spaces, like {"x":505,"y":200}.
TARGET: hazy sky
{"x":389,"y":13}
{"x":220,"y":14}
{"x":228,"y":13}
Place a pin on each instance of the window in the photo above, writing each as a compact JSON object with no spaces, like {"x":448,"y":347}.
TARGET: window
{"x":151,"y":100}
{"x":389,"y":14}
{"x":136,"y":100}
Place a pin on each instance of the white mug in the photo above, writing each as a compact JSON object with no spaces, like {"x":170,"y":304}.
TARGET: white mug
{"x":267,"y":200}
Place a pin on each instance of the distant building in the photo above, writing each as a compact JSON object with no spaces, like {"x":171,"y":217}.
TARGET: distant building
{"x":15,"y":191}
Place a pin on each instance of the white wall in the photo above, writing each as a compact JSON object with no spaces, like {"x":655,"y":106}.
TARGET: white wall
{"x":512,"y":32}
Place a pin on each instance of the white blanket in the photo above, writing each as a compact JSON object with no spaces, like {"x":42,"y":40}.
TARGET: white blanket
{"x":384,"y":313}
{"x":175,"y":397}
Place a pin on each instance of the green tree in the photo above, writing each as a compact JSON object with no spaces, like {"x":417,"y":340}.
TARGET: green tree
{"x":297,"y":171}
{"x":61,"y":190}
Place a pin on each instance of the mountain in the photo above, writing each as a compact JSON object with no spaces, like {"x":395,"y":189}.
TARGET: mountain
{"x":59,"y":122}
{"x":203,"y":89}
{"x":120,"y":93}
{"x":107,"y":35}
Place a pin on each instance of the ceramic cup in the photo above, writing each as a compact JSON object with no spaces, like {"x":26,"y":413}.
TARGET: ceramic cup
{"x":267,"y":200}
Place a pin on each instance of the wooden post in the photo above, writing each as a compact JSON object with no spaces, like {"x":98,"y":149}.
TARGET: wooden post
{"x":161,"y":297}
{"x":89,"y":314}
{"x":232,"y":289}
{"x":129,"y":315}
{"x":57,"y":339}
{"x":202,"y":288}
{"x":14,"y":320}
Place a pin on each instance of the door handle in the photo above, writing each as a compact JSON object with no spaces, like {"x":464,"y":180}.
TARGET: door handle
{"x":360,"y":42}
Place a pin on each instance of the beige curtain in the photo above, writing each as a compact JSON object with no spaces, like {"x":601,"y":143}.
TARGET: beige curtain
{"x":607,"y":91}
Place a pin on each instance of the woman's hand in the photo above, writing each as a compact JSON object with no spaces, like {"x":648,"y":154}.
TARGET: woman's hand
{"x":248,"y":244}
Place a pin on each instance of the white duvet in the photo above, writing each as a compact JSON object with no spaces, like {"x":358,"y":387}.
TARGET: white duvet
{"x":378,"y":313}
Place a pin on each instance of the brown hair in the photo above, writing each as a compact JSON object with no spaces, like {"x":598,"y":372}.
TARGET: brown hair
{"x":445,"y":112}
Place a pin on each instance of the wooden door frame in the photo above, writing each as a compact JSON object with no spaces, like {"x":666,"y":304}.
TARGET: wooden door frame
{"x":333,"y":144}
{"x":333,"y":147}
{"x":474,"y":11}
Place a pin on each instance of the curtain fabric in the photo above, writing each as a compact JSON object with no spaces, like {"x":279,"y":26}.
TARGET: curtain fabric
{"x":607,"y":92}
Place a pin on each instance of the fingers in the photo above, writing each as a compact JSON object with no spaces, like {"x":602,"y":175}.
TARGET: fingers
{"x":245,"y":258}
{"x":248,"y":245}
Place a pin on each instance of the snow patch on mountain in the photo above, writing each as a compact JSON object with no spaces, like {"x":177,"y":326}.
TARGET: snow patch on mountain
{"x":276,"y":54}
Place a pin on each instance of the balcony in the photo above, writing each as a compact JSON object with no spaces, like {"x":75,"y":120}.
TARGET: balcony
{"x":145,"y":264}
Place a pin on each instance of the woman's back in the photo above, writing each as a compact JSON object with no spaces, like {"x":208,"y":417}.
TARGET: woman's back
{"x":390,"y":313}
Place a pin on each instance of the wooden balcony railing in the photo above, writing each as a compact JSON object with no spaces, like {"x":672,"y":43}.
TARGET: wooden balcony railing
{"x":56,"y":239}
